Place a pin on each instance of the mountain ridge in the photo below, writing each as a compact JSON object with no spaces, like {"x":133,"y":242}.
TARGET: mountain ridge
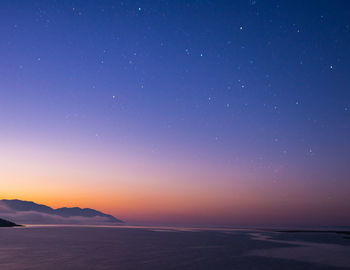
{"x":21,"y":206}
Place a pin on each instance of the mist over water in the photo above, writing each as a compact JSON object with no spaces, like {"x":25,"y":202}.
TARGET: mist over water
{"x":83,"y":247}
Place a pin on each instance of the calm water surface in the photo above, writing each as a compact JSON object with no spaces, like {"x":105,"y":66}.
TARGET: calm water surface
{"x":57,"y":247}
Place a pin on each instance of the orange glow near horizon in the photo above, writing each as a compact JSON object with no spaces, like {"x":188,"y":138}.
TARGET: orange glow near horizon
{"x":145,"y":192}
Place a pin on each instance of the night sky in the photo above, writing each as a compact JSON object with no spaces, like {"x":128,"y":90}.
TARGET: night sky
{"x":190,"y":112}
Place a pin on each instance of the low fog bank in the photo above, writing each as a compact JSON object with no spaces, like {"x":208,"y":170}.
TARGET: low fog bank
{"x":35,"y":217}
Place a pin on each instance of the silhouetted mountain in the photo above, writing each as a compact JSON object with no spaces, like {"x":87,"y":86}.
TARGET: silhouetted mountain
{"x":5,"y":223}
{"x":30,"y":212}
{"x":18,"y":205}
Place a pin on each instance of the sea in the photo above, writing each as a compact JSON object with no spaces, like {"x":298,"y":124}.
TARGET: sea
{"x":143,"y":247}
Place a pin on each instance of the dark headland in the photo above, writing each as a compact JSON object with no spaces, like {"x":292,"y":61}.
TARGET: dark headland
{"x":6,"y":223}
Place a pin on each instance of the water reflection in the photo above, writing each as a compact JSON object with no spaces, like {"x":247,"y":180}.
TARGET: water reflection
{"x":322,"y":253}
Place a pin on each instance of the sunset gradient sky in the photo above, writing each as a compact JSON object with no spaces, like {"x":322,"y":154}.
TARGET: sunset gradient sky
{"x":178,"y":112}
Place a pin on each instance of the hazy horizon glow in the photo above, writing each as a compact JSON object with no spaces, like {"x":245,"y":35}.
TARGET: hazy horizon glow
{"x":191,"y":112}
